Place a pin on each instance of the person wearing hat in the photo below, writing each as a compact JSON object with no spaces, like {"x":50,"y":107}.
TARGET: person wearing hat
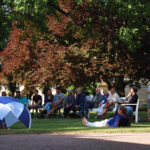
{"x":69,"y":103}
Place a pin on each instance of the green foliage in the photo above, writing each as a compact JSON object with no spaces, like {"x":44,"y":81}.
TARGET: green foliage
{"x":101,"y":39}
{"x":127,"y":35}
{"x":31,"y":7}
{"x":5,"y":25}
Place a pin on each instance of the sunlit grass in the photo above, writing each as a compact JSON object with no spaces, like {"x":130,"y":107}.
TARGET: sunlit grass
{"x":60,"y":125}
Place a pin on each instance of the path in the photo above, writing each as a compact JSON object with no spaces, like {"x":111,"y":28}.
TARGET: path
{"x":124,"y":141}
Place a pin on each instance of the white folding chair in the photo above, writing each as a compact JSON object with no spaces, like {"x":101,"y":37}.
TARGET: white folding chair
{"x":135,"y":113}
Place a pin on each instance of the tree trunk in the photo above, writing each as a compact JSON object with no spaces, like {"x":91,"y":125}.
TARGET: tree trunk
{"x":120,"y":86}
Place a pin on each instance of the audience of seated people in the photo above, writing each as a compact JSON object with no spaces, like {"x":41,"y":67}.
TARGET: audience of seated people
{"x":78,"y":102}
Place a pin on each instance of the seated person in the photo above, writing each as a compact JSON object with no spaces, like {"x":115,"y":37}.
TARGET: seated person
{"x":57,"y":102}
{"x":79,"y":101}
{"x":91,"y":102}
{"x":121,"y":119}
{"x":4,"y":93}
{"x":69,"y":103}
{"x":132,"y":96}
{"x":36,"y":102}
{"x":17,"y":96}
{"x":110,"y":104}
{"x":102,"y":102}
{"x":48,"y":102}
{"x":23,"y":99}
{"x":2,"y":124}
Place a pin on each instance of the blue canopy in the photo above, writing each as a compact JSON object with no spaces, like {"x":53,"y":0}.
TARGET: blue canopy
{"x":12,"y":111}
{"x":6,"y":99}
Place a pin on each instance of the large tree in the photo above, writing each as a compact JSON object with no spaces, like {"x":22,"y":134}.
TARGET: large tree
{"x":78,"y":42}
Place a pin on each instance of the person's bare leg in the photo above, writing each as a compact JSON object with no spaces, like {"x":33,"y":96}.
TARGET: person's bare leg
{"x":84,"y":121}
{"x":51,"y":111}
{"x":103,"y":114}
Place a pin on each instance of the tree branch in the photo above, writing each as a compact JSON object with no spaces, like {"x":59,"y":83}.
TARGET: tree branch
{"x":57,"y":8}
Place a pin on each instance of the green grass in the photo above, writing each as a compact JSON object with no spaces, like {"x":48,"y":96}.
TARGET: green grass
{"x":59,"y":125}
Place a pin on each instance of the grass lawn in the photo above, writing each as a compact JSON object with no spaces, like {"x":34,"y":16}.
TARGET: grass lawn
{"x":60,"y":125}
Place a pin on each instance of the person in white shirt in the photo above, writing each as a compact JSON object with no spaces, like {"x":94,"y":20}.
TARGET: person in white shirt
{"x":110,"y":104}
{"x":148,"y":103}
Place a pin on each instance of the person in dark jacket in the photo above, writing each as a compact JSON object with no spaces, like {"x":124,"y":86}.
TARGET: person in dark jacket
{"x":69,"y":103}
{"x":132,"y":96}
{"x":79,"y":101}
{"x":89,"y":104}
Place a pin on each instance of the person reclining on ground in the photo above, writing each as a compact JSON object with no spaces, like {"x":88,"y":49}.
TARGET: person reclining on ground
{"x":121,"y":119}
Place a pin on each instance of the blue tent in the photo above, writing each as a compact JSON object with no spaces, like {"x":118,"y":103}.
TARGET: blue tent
{"x":11,"y":111}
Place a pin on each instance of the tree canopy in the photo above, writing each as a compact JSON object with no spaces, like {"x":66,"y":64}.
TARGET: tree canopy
{"x":77,"y":42}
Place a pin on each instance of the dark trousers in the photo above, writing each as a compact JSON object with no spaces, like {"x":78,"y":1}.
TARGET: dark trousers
{"x":85,"y":109}
{"x":74,"y":109}
{"x":67,"y":111}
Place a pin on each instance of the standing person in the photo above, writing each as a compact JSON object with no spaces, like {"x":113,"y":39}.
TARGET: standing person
{"x":57,"y":102}
{"x":148,"y":104}
{"x":91,"y":102}
{"x":36,"y":101}
{"x":121,"y":119}
{"x":4,"y":93}
{"x":110,"y":104}
{"x":69,"y":103}
{"x":79,"y":101}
